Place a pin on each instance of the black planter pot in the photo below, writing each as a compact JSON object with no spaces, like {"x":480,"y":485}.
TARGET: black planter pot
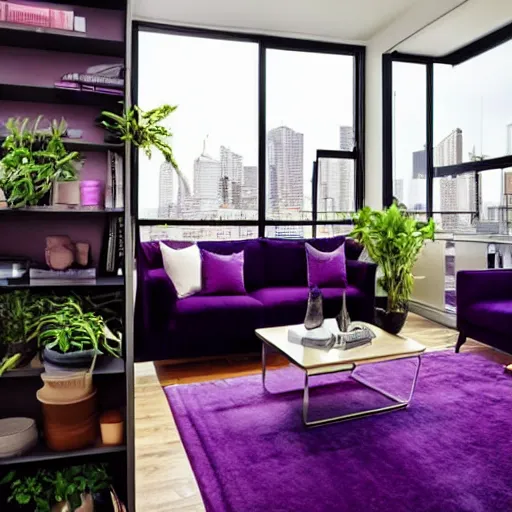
{"x":26,"y":350}
{"x":80,"y":359}
{"x":390,"y":322}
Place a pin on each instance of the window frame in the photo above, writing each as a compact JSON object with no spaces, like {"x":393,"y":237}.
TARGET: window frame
{"x":264,"y":43}
{"x":454,"y":58}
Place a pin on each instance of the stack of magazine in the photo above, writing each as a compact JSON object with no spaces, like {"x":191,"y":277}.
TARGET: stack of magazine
{"x":328,"y":335}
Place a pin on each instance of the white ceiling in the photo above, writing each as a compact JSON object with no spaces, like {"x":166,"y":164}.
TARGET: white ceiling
{"x":468,"y":22}
{"x":336,"y":20}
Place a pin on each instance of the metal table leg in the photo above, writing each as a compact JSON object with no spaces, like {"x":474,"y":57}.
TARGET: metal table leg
{"x":400,"y":404}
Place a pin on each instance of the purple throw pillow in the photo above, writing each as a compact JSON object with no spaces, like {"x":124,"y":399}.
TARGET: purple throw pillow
{"x":223,"y":274}
{"x":327,"y":268}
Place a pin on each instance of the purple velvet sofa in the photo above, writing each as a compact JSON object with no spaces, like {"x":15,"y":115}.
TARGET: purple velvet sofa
{"x":275,"y":274}
{"x":484,"y":307}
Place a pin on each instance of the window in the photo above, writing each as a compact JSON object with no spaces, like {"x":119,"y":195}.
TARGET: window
{"x":310,"y":106}
{"x":215,"y":85}
{"x":253,"y":113}
{"x":473,"y":108}
{"x":409,"y":135}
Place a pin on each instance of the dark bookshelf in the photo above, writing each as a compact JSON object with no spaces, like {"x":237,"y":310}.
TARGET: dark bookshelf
{"x":42,"y":453}
{"x":25,"y":36}
{"x":98,"y":147}
{"x":118,"y":5}
{"x":31,"y":93}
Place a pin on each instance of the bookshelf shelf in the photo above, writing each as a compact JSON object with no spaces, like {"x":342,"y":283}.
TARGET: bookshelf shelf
{"x":99,"y":147}
{"x":24,"y":36}
{"x":104,"y":366}
{"x":30,"y":93}
{"x":42,"y":453}
{"x":57,"y":210}
{"x":105,"y":282}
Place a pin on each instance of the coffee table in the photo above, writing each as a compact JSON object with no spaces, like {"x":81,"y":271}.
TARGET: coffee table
{"x":313,"y":361}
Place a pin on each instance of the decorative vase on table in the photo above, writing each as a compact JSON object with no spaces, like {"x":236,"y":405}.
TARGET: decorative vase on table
{"x":315,"y":312}
{"x":343,"y":318}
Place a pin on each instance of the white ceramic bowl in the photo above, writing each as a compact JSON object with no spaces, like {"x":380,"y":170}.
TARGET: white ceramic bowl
{"x":17,"y":436}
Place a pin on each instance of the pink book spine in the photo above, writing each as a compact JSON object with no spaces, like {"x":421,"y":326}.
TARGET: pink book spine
{"x":28,"y":15}
{"x":3,"y":11}
{"x":61,"y":19}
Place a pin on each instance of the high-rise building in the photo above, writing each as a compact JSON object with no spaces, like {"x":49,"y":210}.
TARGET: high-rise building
{"x":249,"y":194}
{"x":419,"y":164}
{"x":285,"y":150}
{"x":398,"y":189}
{"x":166,"y":191}
{"x":457,"y":193}
{"x":509,"y":139}
{"x":207,"y":183}
{"x":336,"y":179}
{"x":231,"y":174}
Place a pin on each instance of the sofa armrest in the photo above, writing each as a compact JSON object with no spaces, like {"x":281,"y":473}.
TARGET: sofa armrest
{"x":362,"y":275}
{"x":154,"y":305}
{"x":482,"y":285}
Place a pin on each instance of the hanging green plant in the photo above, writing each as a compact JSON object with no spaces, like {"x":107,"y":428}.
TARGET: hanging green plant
{"x":145,"y":131}
{"x":33,"y":159}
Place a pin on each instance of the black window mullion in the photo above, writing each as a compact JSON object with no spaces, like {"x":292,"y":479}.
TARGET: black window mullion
{"x":262,"y":139}
{"x":430,"y":138}
{"x":387,"y":130}
{"x":359,"y":112}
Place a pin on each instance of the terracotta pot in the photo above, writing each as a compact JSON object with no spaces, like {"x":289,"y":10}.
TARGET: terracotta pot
{"x":112,"y":428}
{"x":72,"y":425}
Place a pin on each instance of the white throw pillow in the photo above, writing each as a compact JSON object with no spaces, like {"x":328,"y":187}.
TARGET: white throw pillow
{"x":183,"y":266}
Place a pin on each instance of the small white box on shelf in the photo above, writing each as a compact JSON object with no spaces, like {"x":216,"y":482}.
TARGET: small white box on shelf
{"x":80,"y":25}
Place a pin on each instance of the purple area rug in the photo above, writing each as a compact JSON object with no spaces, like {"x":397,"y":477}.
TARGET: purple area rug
{"x":450,"y":451}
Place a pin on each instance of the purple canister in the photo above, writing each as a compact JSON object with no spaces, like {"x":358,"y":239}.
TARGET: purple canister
{"x":91,"y":193}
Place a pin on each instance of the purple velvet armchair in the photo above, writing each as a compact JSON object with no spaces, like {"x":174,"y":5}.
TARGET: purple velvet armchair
{"x":484,"y":307}
{"x":275,"y":275}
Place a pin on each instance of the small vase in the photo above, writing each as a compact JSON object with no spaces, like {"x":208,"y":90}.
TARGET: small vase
{"x":343,"y":319}
{"x":315,"y":312}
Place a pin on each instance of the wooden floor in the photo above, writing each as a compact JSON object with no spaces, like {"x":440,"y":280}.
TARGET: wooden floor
{"x":164,"y":479}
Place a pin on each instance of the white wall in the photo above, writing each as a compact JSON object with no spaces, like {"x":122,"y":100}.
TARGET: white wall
{"x":417,"y":17}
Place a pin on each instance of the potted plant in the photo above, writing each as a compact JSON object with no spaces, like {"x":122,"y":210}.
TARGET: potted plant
{"x":18,"y":342}
{"x":393,"y":240}
{"x":57,"y":490}
{"x":70,"y":336}
{"x":32,"y":160}
{"x":145,"y":131}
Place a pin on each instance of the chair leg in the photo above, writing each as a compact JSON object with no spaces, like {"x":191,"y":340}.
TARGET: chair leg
{"x":460,"y":342}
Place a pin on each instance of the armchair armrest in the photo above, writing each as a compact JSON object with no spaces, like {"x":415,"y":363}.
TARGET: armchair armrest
{"x":362,"y":275}
{"x":481,"y":285}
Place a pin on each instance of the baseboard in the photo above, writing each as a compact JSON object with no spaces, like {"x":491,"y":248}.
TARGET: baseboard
{"x":434,"y":314}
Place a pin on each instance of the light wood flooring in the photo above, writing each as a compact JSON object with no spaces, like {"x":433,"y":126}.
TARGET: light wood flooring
{"x":164,"y":479}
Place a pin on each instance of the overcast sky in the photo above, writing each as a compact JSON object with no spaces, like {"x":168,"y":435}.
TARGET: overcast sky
{"x":215,"y":85}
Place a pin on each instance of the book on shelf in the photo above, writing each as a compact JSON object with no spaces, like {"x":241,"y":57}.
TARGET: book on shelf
{"x":112,"y":253}
{"x":92,"y":79}
{"x":62,"y":84}
{"x":72,"y":274}
{"x":114,"y":188}
{"x":34,"y":16}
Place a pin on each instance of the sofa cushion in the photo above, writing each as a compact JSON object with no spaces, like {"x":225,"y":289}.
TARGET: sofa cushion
{"x":326,"y":268}
{"x":285,"y":262}
{"x":352,"y":248}
{"x":287,"y":305}
{"x":217,"y":315}
{"x":183,"y":267}
{"x":492,"y":315}
{"x":223,"y":274}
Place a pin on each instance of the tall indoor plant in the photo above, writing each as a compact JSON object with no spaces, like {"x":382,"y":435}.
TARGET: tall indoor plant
{"x":393,"y":239}
{"x":32,"y":160}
